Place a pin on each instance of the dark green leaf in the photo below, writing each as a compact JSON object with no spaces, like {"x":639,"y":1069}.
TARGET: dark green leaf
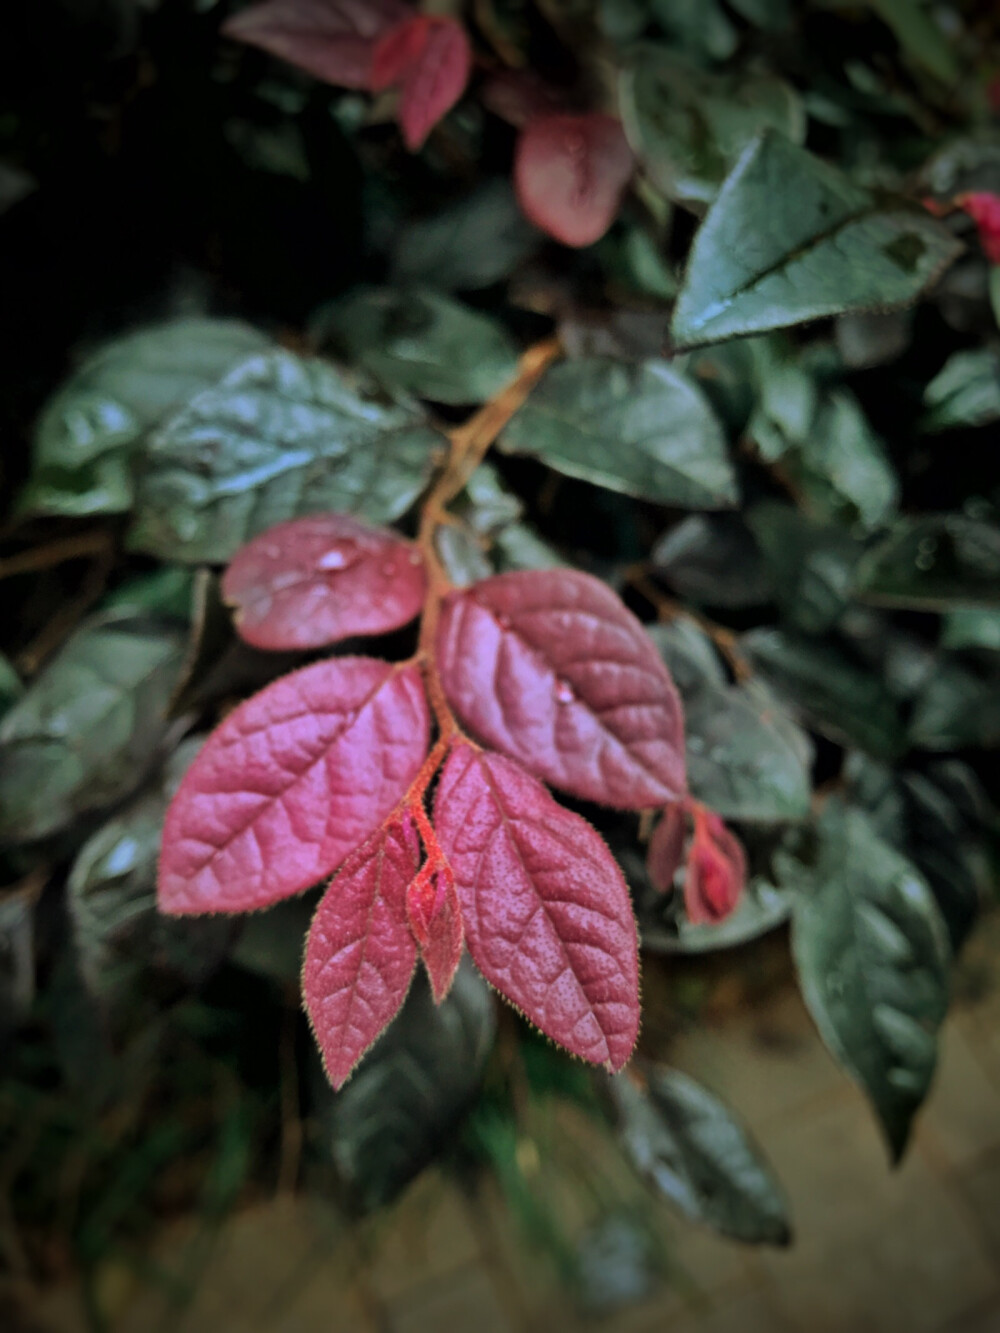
{"x":810,"y":564}
{"x":87,"y":433}
{"x":790,"y":239}
{"x":641,"y":429}
{"x":957,"y":707}
{"x":964,"y":392}
{"x":687,"y":1143}
{"x":937,"y":562}
{"x":422,"y":343}
{"x":701,"y":27}
{"x":972,"y":629}
{"x":11,"y":688}
{"x":280,"y":437}
{"x":165,"y":592}
{"x":714,"y":560}
{"x":868,"y":339}
{"x":88,"y":726}
{"x":920,"y":37}
{"x":873,"y":958}
{"x":399,"y":1108}
{"x":470,"y":244}
{"x":687,"y":127}
{"x":17,"y":958}
{"x":635,"y":261}
{"x":828,"y":690}
{"x":842,"y":466}
{"x":123,"y":943}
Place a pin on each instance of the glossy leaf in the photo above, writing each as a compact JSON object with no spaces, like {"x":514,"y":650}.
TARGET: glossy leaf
{"x":972,"y":629}
{"x":790,"y":239}
{"x":402,"y":1104}
{"x":956,"y":707}
{"x":715,"y":560}
{"x":548,"y":918}
{"x":920,"y":36}
{"x":872,"y":957}
{"x":687,"y":1144}
{"x":292,"y":782}
{"x":434,"y":79}
{"x":570,"y":172}
{"x":468,"y":245}
{"x":423,"y":343}
{"x":280,"y":437}
{"x":842,"y":467}
{"x":811,"y":564}
{"x":86,"y":730}
{"x":828,"y":690}
{"x":435,"y":916}
{"x":688,"y":127}
{"x":124,"y":946}
{"x":316,"y":580}
{"x":89,"y":431}
{"x":934,"y":562}
{"x":643,"y":429}
{"x":331,"y":39}
{"x":964,"y":392}
{"x":552,"y":670}
{"x":360,"y":954}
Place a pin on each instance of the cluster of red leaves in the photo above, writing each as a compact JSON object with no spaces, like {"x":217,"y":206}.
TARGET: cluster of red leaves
{"x":570,"y":168}
{"x":715,"y":868}
{"x":549,"y":678}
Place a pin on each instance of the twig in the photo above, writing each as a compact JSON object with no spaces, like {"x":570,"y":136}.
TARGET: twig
{"x":79,"y":547}
{"x":667,"y":609}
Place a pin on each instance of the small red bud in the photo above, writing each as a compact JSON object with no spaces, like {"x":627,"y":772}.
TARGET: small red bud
{"x":716,"y":869}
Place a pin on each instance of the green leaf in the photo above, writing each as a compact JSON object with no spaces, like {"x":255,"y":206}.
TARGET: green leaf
{"x":642,"y":429}
{"x":714,"y":560}
{"x":957,"y":707}
{"x":920,"y":37}
{"x":936,"y":562}
{"x":873,"y":958}
{"x":399,"y":1108}
{"x":280,"y":437}
{"x":11,"y":688}
{"x":88,"y":726}
{"x":747,"y":760}
{"x":842,"y":466}
{"x":473,"y":243}
{"x":701,"y":27}
{"x":688,"y":127}
{"x":124,"y":945}
{"x":790,"y":239}
{"x":964,"y":392}
{"x":165,"y":592}
{"x":828,"y":691}
{"x":810,"y":564}
{"x":422,"y":343}
{"x":88,"y":432}
{"x":687,"y":1143}
{"x":972,"y":629}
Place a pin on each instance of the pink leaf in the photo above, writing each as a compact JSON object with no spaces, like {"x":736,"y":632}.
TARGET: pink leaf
{"x":550,"y":668}
{"x":666,"y":847}
{"x":291,"y":783}
{"x":332,"y":39}
{"x":716,"y":869}
{"x":984,"y":209}
{"x":548,"y":918}
{"x":435,"y":79}
{"x":397,"y":50}
{"x":360,"y":954}
{"x":570,"y":172}
{"x":313,"y":581}
{"x":435,"y":916}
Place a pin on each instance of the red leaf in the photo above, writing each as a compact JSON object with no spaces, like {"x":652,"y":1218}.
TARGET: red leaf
{"x":666,"y":847}
{"x":716,"y":869}
{"x":360,"y":954}
{"x":984,"y":209}
{"x":548,"y":918}
{"x":570,"y":173}
{"x":332,"y":39}
{"x":550,"y":668}
{"x":291,"y":783}
{"x":519,"y":95}
{"x":397,"y":50}
{"x":313,"y":581}
{"x":435,"y":79}
{"x":435,"y":916}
